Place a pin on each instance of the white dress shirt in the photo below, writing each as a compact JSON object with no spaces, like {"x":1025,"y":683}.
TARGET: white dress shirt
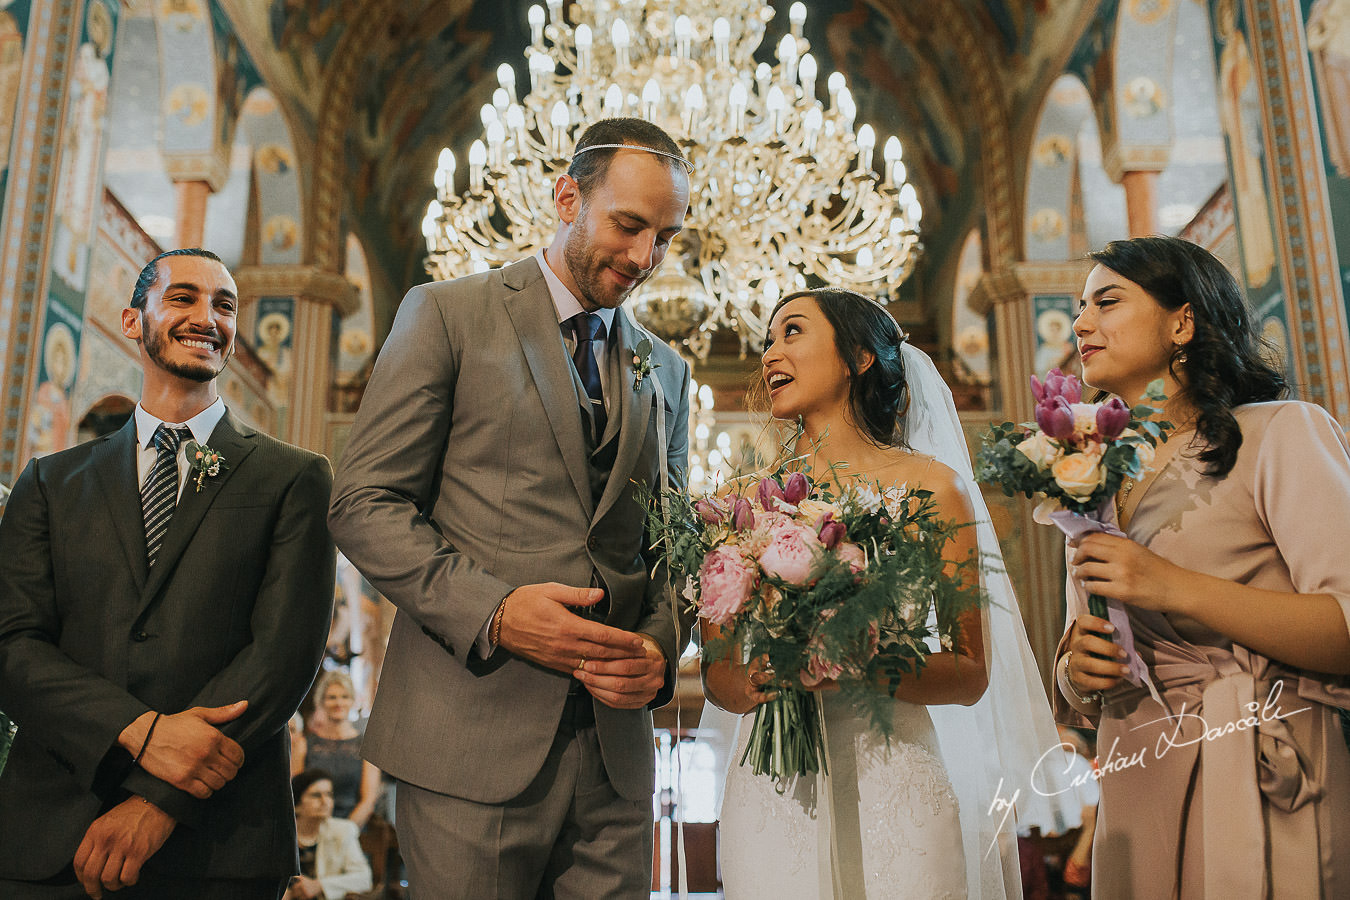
{"x":201,"y":425}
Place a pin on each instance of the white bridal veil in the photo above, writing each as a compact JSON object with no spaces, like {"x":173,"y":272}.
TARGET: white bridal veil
{"x":994,"y":749}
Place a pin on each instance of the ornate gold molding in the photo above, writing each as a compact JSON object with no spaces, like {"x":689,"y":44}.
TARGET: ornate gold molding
{"x":306,"y":281}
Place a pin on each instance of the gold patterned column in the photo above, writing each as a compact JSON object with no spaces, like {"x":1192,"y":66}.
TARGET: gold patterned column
{"x":1034,"y":553}
{"x":190,"y":226}
{"x":1300,"y":204}
{"x":317,"y":298}
{"x":53,"y":37}
{"x":1141,"y":202}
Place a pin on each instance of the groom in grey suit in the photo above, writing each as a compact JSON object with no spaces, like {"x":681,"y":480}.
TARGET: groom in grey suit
{"x":490,"y":490}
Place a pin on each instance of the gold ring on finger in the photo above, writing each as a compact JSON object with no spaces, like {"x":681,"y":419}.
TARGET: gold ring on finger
{"x":581,"y":666}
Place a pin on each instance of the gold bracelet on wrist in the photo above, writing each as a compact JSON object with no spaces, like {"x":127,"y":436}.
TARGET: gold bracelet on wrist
{"x":1092,"y":699}
{"x":495,"y":632}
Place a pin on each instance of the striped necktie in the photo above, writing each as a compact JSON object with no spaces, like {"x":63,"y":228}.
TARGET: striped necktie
{"x":159,"y":494}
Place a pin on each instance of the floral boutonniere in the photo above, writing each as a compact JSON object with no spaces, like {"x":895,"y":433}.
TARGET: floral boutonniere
{"x":642,"y":362}
{"x":203,"y":462}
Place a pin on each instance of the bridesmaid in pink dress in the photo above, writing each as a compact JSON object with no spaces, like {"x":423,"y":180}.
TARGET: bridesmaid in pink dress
{"x":1236,"y":579}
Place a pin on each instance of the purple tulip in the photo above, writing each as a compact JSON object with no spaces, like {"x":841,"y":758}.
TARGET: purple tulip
{"x":742,"y":515}
{"x":1112,"y":417}
{"x":769,"y":490}
{"x":710,"y":511}
{"x":797,"y":489}
{"x":1055,"y":418}
{"x":1038,"y":389}
{"x":831,"y":532}
{"x":1056,"y":384}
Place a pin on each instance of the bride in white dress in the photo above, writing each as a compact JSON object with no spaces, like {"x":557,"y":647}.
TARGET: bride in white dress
{"x":920,"y":818}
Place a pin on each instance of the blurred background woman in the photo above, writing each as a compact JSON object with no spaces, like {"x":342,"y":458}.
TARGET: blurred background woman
{"x":331,"y":862}
{"x":333,"y":743}
{"x":1236,"y":580}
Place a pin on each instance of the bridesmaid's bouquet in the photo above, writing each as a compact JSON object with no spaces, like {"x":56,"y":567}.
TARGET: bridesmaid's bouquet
{"x":830,"y":580}
{"x":1076,"y":456}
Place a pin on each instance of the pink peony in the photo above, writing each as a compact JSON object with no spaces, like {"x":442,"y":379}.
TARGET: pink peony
{"x":791,"y":552}
{"x":727,"y":580}
{"x":819,"y":670}
{"x":853,"y":555}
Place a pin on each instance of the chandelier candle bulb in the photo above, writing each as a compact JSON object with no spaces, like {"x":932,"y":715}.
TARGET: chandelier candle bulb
{"x":834,"y":84}
{"x":559,"y":118}
{"x":477,"y":159}
{"x":722,"y":41}
{"x":736,"y":102}
{"x":693,"y":105}
{"x":651,"y":99}
{"x":776,"y":103}
{"x":797,"y":18}
{"x":787,"y":55}
{"x":506,"y":77}
{"x":583,"y":40}
{"x":496,"y":138}
{"x":806,"y":70}
{"x":515,"y":120}
{"x":536,"y":19}
{"x":811,"y":127}
{"x":866,"y":141}
{"x":618,"y":36}
{"x":541,"y":64}
{"x":614,"y":100}
{"x":684,"y":33}
{"x":555,"y":11}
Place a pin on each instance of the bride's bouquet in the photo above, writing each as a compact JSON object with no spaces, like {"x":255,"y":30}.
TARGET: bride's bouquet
{"x":829,"y":580}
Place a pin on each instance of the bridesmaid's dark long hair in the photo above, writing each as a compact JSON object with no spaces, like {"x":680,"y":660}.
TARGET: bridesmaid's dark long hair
{"x":877,"y":396}
{"x":1223,"y":365}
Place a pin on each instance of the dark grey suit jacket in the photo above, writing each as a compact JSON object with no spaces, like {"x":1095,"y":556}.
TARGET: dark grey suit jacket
{"x":237,"y":607}
{"x":466,"y":477}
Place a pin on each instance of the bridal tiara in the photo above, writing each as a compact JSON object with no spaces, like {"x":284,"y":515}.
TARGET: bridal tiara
{"x":679,"y":159}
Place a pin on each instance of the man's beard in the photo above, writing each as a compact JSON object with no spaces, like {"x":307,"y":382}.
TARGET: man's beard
{"x":588,"y":271}
{"x":155,"y":345}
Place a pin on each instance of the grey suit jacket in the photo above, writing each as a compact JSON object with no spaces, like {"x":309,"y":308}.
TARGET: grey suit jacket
{"x":465,"y":477}
{"x":236,"y":607}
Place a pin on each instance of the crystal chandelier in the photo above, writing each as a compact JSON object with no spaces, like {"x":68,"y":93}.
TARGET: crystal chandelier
{"x":783,"y":190}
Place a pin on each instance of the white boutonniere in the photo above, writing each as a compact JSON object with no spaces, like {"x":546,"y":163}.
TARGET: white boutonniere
{"x":203,"y":462}
{"x":642,"y":362}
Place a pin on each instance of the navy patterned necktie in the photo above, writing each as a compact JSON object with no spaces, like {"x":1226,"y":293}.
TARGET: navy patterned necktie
{"x":590,"y":328}
{"x":159,"y":494}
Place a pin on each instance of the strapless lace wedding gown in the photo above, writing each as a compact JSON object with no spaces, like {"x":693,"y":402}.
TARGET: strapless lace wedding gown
{"x":894,"y":818}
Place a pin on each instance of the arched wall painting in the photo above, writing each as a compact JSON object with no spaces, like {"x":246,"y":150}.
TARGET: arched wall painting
{"x":1327,"y":24}
{"x":79,"y":196}
{"x":13,"y":28}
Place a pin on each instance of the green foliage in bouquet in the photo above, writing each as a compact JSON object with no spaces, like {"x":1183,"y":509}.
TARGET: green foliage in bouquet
{"x":830,"y":579}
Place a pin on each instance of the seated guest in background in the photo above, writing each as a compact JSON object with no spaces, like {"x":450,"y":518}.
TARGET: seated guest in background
{"x":331,"y":862}
{"x":161,"y":617}
{"x":334,"y":745}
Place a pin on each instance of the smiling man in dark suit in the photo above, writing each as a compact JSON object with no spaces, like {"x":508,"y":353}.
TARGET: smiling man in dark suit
{"x":161,"y":618}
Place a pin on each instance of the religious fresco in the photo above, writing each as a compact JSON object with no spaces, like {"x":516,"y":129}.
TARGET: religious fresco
{"x":1055,"y":346}
{"x":13,"y":27}
{"x":1093,"y":61}
{"x":1327,"y":24}
{"x":355,"y":340}
{"x":1052,"y":176}
{"x":970,"y":331}
{"x":273,"y":340}
{"x":78,"y":205}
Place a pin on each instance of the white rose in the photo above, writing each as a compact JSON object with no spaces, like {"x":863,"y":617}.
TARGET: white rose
{"x":1084,"y":419}
{"x":1144,"y":453}
{"x":1041,"y":449}
{"x":867,"y":499}
{"x":1079,"y":474}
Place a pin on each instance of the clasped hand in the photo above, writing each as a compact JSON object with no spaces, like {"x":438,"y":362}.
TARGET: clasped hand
{"x":621,"y":669}
{"x":186,"y":749}
{"x":118,"y":843}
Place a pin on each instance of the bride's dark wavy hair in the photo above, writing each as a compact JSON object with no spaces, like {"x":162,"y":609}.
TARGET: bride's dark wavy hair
{"x":1223,"y":365}
{"x":877,"y":396}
